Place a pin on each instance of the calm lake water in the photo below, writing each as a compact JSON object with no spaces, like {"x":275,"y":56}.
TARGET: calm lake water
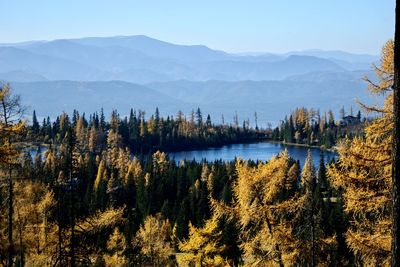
{"x":254,"y":151}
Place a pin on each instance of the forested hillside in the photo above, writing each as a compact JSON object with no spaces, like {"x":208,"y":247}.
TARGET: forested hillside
{"x":87,"y":201}
{"x":101,"y":194}
{"x":308,"y":127}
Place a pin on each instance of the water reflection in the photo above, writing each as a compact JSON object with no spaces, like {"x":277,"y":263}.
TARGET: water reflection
{"x":254,"y":151}
{"x":250,"y":151}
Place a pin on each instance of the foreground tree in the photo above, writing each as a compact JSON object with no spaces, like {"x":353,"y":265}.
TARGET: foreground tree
{"x":204,"y":245}
{"x":11,"y":127}
{"x":396,"y":145}
{"x":263,"y":207}
{"x":364,"y":173}
{"x":153,"y":239}
{"x":116,"y":246}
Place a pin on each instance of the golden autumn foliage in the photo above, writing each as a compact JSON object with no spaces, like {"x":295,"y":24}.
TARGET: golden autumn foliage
{"x":203,"y":246}
{"x":100,"y":221}
{"x":280,"y":223}
{"x":34,"y":235}
{"x":364,"y":173}
{"x":10,"y":124}
{"x":153,"y":239}
{"x":263,"y":198}
{"x":116,"y":246}
{"x":100,"y":175}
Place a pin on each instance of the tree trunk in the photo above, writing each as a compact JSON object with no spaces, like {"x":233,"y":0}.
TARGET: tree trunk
{"x":72,"y":240}
{"x":280,"y":261}
{"x":396,"y":146}
{"x":10,"y":219}
{"x":10,"y":196}
{"x":312,"y":233}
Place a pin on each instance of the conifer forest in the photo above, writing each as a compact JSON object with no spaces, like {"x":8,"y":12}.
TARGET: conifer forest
{"x":104,"y":188}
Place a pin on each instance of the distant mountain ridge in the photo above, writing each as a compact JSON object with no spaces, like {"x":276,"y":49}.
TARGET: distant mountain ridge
{"x":140,"y":72}
{"x":141,"y":59}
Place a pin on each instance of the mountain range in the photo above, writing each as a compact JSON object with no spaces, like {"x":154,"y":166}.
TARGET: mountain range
{"x":145,"y":73}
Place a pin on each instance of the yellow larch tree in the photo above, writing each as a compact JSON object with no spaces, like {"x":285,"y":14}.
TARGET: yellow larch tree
{"x":11,"y":126}
{"x":35,"y":235}
{"x":203,"y":246}
{"x":153,"y":239}
{"x":264,"y":206}
{"x":364,"y":173}
{"x":116,"y":246}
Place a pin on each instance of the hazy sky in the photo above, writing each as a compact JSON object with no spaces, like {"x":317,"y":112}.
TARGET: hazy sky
{"x":232,"y":25}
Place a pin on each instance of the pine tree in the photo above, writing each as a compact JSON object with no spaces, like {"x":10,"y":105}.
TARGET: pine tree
{"x":342,"y":113}
{"x":199,"y":117}
{"x":35,"y":124}
{"x":310,"y":217}
{"x":322,"y":179}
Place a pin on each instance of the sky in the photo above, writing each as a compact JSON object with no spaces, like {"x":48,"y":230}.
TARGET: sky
{"x":276,"y":26}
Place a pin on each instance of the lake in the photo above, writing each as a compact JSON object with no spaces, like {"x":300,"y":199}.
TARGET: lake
{"x":254,"y":151}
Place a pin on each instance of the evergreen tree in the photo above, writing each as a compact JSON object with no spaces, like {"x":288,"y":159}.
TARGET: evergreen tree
{"x":35,"y":124}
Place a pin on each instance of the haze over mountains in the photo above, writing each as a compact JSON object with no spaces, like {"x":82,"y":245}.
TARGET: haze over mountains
{"x":141,"y":72}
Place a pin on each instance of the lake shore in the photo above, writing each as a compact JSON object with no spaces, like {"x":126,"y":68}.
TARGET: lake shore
{"x":303,"y":145}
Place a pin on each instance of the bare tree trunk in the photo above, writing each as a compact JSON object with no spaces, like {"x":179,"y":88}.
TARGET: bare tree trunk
{"x":280,"y":261}
{"x":396,"y":146}
{"x":72,"y":240}
{"x":60,"y":239}
{"x":10,"y":219}
{"x":10,"y":199}
{"x":312,"y":234}
{"x":21,"y":246}
{"x":10,"y":110}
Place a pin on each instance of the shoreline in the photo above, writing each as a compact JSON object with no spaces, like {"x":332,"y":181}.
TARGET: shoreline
{"x":248,"y":141}
{"x":302,"y":145}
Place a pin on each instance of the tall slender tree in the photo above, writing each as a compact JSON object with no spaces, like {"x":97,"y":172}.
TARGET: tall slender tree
{"x":364,"y":174}
{"x":396,"y":146}
{"x":10,"y":127}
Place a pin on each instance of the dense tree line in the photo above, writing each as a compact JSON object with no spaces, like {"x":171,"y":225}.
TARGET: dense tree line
{"x":94,"y":203}
{"x":141,"y":135}
{"x":309,"y":127}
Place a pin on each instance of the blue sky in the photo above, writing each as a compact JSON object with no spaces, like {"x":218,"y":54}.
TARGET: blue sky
{"x":360,"y":26}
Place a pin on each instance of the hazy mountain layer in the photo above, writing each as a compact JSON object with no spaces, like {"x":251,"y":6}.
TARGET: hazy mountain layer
{"x":144,"y":73}
{"x":141,"y":59}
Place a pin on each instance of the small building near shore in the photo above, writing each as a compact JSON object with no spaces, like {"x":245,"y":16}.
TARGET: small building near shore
{"x":350,"y":120}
